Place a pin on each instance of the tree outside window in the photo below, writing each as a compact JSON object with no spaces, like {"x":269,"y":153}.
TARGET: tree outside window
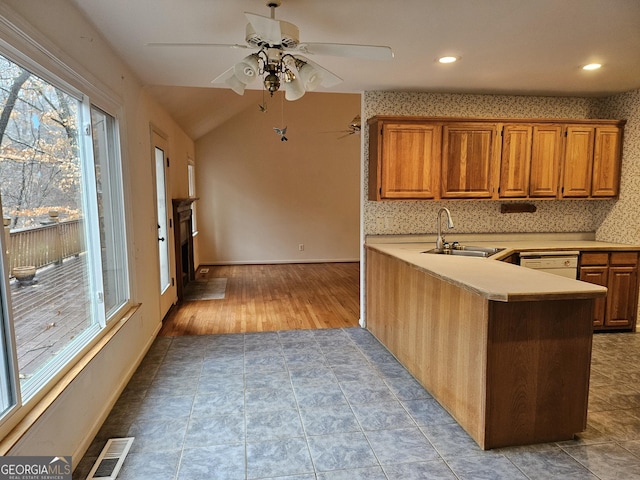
{"x":62,"y":198}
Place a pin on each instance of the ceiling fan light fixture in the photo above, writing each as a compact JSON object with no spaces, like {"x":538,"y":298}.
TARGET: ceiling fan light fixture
{"x":311,"y":77}
{"x":236,"y":84}
{"x":247,"y":69}
{"x":293,"y":86}
{"x":276,"y":66}
{"x":293,"y":89}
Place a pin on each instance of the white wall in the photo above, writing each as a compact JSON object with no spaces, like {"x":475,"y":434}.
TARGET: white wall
{"x":71,"y":422}
{"x":261,"y":197}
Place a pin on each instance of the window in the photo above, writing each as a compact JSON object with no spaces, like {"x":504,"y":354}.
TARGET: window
{"x":64,"y":244}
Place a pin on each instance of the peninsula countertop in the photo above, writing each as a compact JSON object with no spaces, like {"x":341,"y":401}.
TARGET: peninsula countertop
{"x":496,"y":280}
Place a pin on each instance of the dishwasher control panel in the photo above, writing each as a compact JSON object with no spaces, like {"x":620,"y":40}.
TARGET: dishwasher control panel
{"x":563,"y":263}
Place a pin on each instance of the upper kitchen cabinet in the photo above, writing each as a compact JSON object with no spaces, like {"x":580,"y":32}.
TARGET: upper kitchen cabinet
{"x":516,"y":161}
{"x":469,"y":157}
{"x":606,"y":162}
{"x":530,"y":162}
{"x":578,"y":161}
{"x":404,"y":160}
{"x":546,"y":155}
{"x":592,"y":157}
{"x":432,"y":158}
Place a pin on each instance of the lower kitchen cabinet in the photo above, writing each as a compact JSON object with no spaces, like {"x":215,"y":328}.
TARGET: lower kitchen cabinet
{"x":618,"y":271}
{"x":509,"y":372}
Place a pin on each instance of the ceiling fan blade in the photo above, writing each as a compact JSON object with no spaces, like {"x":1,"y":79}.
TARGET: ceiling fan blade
{"x":224,"y":45}
{"x":231,"y":80}
{"x":268,"y":29}
{"x":223,"y":77}
{"x":368,"y":52}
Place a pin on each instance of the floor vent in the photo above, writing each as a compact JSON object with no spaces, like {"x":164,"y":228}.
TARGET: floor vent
{"x":203,"y":270}
{"x":111,"y":459}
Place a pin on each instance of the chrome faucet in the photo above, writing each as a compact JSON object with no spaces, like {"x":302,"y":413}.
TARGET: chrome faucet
{"x":440,"y":238}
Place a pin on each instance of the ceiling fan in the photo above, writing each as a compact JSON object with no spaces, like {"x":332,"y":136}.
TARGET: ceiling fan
{"x":278,"y":61}
{"x":353,"y":128}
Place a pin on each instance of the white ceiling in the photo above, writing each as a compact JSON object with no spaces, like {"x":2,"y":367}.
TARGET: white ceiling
{"x":506,"y":46}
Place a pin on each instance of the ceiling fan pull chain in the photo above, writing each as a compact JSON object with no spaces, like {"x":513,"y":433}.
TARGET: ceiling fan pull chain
{"x":282,"y":131}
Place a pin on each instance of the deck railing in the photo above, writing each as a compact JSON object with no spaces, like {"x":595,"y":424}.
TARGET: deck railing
{"x":44,"y":245}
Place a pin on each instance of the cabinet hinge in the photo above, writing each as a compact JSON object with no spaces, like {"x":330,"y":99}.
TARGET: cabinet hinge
{"x":380,"y":130}
{"x":173,"y":282}
{"x":167,"y":162}
{"x":380,"y":191}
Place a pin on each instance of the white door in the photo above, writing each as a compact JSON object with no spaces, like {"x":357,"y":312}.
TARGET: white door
{"x":165,"y":232}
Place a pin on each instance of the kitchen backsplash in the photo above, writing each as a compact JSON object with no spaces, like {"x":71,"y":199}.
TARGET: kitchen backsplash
{"x":484,"y":217}
{"x":397,"y":217}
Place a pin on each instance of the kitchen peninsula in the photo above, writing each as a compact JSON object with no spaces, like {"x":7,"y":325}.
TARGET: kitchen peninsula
{"x":505,"y":349}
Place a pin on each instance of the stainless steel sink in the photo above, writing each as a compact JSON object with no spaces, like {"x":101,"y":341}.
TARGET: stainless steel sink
{"x":466,"y":251}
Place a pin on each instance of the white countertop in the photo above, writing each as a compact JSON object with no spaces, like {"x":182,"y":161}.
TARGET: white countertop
{"x":497,"y":280}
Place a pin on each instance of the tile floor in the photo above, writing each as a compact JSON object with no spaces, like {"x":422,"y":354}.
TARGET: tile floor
{"x":335,"y":405}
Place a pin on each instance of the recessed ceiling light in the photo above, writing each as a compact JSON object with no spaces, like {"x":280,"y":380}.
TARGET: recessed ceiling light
{"x":448,"y":59}
{"x":592,"y":66}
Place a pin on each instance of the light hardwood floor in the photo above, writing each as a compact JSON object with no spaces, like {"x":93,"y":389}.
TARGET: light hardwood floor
{"x":263,"y":298}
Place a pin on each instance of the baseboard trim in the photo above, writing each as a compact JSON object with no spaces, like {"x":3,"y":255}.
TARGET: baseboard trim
{"x":277,"y":262}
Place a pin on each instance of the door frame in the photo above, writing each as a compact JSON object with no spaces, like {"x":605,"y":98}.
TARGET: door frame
{"x":168,"y":297}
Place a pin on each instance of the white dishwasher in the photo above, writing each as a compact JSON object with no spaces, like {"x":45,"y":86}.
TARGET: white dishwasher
{"x":563,"y":263}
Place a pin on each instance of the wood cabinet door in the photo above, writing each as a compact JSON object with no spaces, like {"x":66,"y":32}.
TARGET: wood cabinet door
{"x":578,"y":161}
{"x":515,"y":161}
{"x":597,"y":275}
{"x":468,"y":159}
{"x":606,"y":162}
{"x":621,"y":297}
{"x":410,"y":158}
{"x":546,"y":156}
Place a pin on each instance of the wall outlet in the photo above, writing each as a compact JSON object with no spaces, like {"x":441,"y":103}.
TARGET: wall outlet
{"x":380,"y":223}
{"x":301,"y":247}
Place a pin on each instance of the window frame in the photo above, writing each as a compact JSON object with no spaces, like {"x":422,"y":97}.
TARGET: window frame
{"x":25,"y":46}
